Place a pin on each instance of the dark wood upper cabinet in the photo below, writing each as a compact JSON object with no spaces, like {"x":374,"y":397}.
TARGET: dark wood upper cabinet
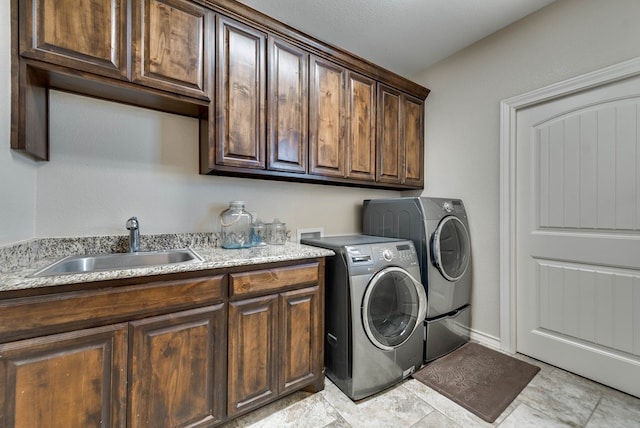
{"x":327,"y":118}
{"x":361,"y":137}
{"x":272,"y":102}
{"x":413,"y":137}
{"x":85,"y":35}
{"x":288,"y":107}
{"x":173,"y":46}
{"x":240,"y":95}
{"x":342,"y":122}
{"x":400,"y":132}
{"x":390,"y":148}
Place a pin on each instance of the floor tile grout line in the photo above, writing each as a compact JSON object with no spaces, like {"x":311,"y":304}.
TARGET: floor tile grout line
{"x":593,"y":411}
{"x":336,"y":410}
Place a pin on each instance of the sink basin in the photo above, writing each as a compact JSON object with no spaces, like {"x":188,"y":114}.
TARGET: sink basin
{"x":116,"y":261}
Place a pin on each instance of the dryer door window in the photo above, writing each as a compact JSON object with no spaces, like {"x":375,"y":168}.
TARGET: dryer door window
{"x":394,"y":305}
{"x":451,"y":248}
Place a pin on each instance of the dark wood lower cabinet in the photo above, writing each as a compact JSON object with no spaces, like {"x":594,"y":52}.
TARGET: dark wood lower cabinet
{"x":252,"y":353}
{"x":273,"y":347}
{"x":180,"y":352}
{"x":75,"y":379}
{"x":300,"y":333}
{"x":177,"y":369}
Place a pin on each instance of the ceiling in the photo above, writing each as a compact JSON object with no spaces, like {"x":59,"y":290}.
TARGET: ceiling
{"x":404,"y":36}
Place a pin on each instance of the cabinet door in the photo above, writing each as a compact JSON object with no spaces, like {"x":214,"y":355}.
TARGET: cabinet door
{"x":252,"y":353}
{"x":177,"y":369}
{"x":85,"y":35}
{"x":361,"y":138}
{"x":400,"y":145}
{"x":240,"y":95}
{"x":413,"y":137}
{"x":327,"y":99}
{"x":288,"y":107}
{"x":301,"y":334}
{"x":390,"y":149}
{"x":75,"y":379}
{"x":171,"y":44}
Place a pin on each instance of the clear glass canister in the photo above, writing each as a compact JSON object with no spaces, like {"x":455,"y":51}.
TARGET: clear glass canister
{"x":277,"y":232}
{"x":235,"y":225}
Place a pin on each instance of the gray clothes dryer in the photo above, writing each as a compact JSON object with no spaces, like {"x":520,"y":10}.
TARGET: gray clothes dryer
{"x":375,"y":306}
{"x":439,"y":229}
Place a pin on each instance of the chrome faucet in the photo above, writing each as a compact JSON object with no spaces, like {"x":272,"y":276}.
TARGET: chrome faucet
{"x":134,"y":234}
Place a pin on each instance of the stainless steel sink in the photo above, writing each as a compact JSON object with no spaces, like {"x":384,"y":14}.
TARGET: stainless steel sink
{"x":117,"y":261}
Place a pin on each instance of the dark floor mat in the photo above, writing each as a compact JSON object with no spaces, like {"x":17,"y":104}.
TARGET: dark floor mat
{"x":479,"y":379}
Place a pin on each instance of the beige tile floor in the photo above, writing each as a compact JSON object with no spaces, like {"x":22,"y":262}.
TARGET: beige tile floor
{"x":554,"y":398}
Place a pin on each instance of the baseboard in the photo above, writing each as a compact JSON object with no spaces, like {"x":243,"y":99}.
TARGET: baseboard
{"x":484,"y":339}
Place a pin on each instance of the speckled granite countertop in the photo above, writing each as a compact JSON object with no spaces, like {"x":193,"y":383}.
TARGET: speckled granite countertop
{"x":18,"y":262}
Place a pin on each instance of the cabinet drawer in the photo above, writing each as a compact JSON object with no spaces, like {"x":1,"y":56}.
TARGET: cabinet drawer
{"x":40,"y":315}
{"x":270,"y":280}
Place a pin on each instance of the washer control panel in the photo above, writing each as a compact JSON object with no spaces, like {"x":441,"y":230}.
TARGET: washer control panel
{"x":402,"y":252}
{"x":453,"y":205}
{"x":389,"y":253}
{"x":406,"y":251}
{"x":369,"y":258}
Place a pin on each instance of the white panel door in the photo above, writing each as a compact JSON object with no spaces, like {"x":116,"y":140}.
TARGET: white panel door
{"x":578,"y":233}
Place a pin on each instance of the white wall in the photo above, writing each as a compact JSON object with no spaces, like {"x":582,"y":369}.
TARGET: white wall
{"x":566,"y":39}
{"x":111,"y":161}
{"x":17,"y":173}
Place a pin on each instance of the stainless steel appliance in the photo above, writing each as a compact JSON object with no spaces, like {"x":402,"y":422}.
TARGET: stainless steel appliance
{"x":440,"y":231}
{"x":375,"y":306}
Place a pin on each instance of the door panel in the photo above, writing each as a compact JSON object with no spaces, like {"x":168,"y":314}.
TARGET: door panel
{"x":578,"y":240}
{"x":300,"y":358}
{"x":288,"y":107}
{"x":177,"y":369}
{"x":413,"y":137}
{"x":252,"y":353}
{"x":389,"y":149}
{"x":75,"y":379}
{"x":327,"y":102}
{"x":578,"y":300}
{"x":172,"y":41}
{"x":587,"y":169}
{"x":241,"y":95}
{"x":88,"y":36}
{"x":361,"y":138}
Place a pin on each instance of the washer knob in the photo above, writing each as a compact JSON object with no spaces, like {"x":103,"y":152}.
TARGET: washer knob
{"x":447,"y":206}
{"x":387,"y":255}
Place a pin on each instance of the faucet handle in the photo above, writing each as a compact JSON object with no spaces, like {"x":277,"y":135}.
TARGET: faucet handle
{"x":132,"y":223}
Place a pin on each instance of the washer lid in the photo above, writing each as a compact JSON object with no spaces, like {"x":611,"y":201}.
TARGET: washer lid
{"x":394,"y":305}
{"x":451,"y":248}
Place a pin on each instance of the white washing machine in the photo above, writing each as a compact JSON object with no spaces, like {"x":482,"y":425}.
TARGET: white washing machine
{"x":375,"y":306}
{"x":440,"y":231}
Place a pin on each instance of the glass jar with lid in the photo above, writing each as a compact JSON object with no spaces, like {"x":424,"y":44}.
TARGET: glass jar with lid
{"x":235,"y":225}
{"x":277,"y":232}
